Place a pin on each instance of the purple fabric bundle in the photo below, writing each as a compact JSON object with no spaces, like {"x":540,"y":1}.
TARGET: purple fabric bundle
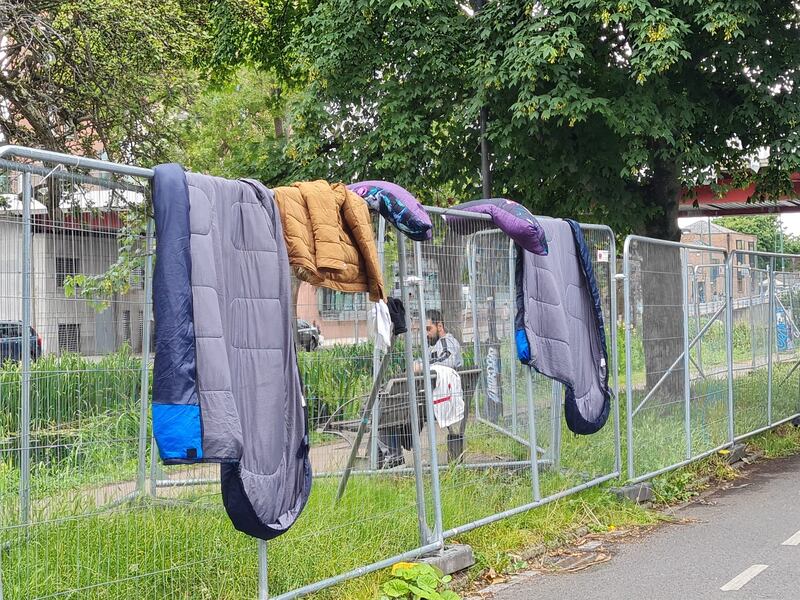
{"x":397,"y":206}
{"x":512,"y":218}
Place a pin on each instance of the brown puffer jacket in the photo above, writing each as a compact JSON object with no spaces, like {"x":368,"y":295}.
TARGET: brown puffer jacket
{"x":329,"y":237}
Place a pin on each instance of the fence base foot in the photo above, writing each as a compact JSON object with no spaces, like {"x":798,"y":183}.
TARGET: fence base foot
{"x":452,"y":559}
{"x":638,"y":492}
{"x":738,"y":452}
{"x":796,"y":421}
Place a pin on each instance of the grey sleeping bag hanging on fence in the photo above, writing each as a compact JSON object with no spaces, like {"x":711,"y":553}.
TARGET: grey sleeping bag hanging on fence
{"x":559,"y":323}
{"x":226,"y":386}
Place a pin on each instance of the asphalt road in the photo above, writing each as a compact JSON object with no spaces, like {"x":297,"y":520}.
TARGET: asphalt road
{"x":741,"y":543}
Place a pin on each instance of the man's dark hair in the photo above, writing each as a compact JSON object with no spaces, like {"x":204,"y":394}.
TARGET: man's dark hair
{"x":435,"y":316}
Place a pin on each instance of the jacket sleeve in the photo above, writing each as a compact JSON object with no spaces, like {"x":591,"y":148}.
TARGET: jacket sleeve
{"x":357,"y":217}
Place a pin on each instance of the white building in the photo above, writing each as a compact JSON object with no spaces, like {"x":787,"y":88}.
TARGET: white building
{"x":84,"y":241}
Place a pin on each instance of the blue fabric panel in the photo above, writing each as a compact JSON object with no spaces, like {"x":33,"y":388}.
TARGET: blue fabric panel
{"x":523,"y":345}
{"x":175,"y":365}
{"x":177,"y":429}
{"x":574,"y":419}
{"x":591,"y":282}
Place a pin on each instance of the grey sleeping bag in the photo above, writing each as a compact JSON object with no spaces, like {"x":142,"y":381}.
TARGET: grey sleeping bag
{"x":226,"y":384}
{"x":559,"y":323}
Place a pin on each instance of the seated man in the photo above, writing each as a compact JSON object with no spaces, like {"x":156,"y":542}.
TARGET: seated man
{"x":444,"y":349}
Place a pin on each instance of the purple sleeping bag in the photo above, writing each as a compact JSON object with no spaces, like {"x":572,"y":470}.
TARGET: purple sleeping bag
{"x":397,"y":206}
{"x":512,"y":218}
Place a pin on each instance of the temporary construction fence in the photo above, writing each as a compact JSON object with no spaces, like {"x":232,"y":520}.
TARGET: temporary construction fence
{"x":711,"y":349}
{"x":87,"y":511}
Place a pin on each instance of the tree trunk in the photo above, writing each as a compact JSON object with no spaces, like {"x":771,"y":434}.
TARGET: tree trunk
{"x":662,"y":285}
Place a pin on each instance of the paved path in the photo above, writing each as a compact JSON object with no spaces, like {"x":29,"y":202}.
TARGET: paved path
{"x":741,"y":543}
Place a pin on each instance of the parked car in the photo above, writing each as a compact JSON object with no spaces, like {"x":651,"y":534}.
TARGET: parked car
{"x":308,"y":335}
{"x":12,"y":344}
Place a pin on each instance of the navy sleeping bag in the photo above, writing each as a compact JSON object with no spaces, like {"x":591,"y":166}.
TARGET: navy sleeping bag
{"x":559,"y":323}
{"x":226,"y":386}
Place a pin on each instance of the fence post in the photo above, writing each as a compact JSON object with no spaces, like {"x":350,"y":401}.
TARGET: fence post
{"x":473,"y":300}
{"x":424,"y":533}
{"x":770,"y":335}
{"x":512,"y":269}
{"x":612,"y":277}
{"x":263,"y":583}
{"x":438,"y":529}
{"x":729,"y":262}
{"x":752,"y":319}
{"x":376,"y":360}
{"x":537,"y":494}
{"x":25,"y":393}
{"x":697,"y":319}
{"x":557,"y":394}
{"x":626,"y":288}
{"x":145,"y":379}
{"x":687,"y":379}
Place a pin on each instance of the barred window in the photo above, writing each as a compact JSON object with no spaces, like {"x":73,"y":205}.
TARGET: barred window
{"x":341,"y":306}
{"x":66,"y":265}
{"x":69,"y":337}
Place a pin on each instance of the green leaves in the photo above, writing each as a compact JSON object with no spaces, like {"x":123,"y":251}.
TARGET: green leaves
{"x":128,"y":269}
{"x":598,"y":109}
{"x":96,"y":76}
{"x":417,"y":581}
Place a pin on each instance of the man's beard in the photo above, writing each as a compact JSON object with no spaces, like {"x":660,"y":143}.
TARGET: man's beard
{"x":432,"y":339}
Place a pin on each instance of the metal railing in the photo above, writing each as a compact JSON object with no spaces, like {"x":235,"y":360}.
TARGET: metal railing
{"x":88,"y":511}
{"x":696,"y":373}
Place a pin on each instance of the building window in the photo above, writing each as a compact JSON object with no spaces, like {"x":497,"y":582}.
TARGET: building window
{"x":66,"y":265}
{"x":69,"y":337}
{"x":739,"y":256}
{"x":752,"y":246}
{"x":140,"y":337}
{"x":740,"y":283}
{"x":137,"y":278}
{"x":126,"y":326}
{"x":714,"y":269}
{"x":340,"y":306}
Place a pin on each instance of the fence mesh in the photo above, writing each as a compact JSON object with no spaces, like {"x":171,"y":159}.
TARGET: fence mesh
{"x":676,"y":335}
{"x":765,"y":341}
{"x":87,"y":511}
{"x":467,"y":271}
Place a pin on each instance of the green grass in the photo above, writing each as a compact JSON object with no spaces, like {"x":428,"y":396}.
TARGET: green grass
{"x":185,"y":547}
{"x":65,"y":388}
{"x":376,"y":520}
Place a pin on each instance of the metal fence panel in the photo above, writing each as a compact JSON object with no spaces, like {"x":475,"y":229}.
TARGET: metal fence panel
{"x":766,"y":354}
{"x":676,"y":347}
{"x":468,"y":271}
{"x":381,"y":514}
{"x":74,"y":376}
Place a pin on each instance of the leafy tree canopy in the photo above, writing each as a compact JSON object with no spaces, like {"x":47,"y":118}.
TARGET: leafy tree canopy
{"x":230,"y":130}
{"x":97,"y":75}
{"x":598,"y":109}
